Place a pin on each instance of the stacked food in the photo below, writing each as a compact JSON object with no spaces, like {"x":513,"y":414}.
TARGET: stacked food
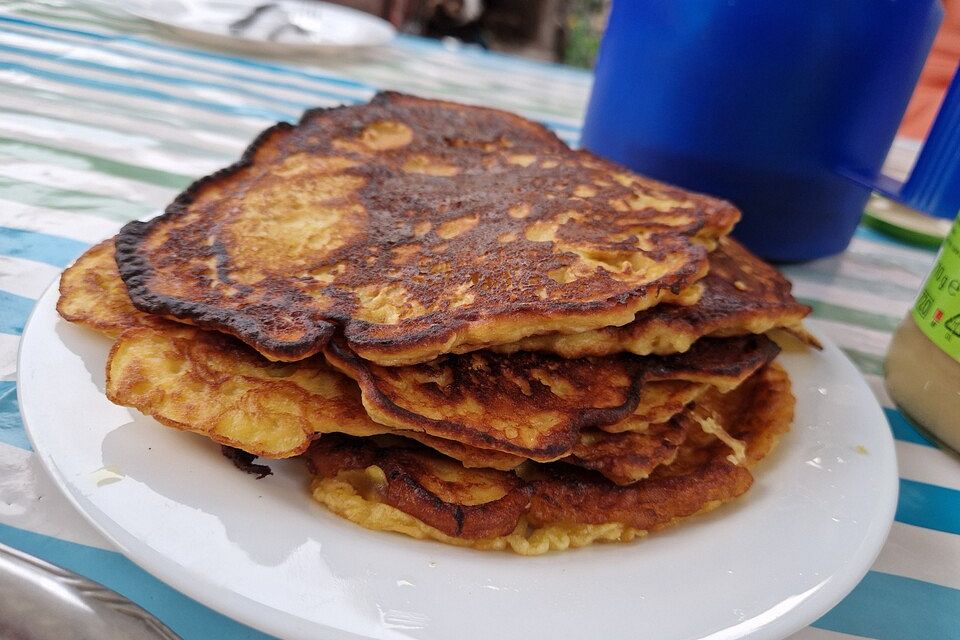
{"x":470,"y":332}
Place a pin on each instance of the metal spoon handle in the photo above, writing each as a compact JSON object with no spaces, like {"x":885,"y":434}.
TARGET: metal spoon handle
{"x":41,"y":601}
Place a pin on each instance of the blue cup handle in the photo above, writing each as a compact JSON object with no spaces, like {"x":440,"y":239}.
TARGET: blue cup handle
{"x":934,"y":183}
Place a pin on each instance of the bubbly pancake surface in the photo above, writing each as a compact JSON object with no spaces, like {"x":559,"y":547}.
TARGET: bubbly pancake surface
{"x":418,"y":227}
{"x":567,"y":507}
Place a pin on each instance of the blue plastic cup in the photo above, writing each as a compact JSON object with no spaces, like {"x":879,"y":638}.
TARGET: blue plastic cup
{"x":787,"y":109}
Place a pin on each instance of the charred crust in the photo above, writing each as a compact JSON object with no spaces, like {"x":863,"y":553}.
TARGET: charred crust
{"x":405,"y":491}
{"x":245,"y":462}
{"x":341,"y":357}
{"x":137,"y":272}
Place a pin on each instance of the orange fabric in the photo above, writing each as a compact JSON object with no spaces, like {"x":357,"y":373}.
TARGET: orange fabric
{"x":936,"y":75}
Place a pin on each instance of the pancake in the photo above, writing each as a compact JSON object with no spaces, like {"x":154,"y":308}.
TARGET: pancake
{"x":742,"y":294}
{"x":151,"y":369}
{"x":379,"y":488}
{"x":533,"y":404}
{"x":416,"y":227}
{"x":93,"y":295}
{"x":659,"y":402}
{"x":625,"y":458}
{"x":212,"y":384}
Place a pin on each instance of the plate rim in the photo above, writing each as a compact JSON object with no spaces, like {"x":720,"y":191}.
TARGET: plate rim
{"x":795,"y":619}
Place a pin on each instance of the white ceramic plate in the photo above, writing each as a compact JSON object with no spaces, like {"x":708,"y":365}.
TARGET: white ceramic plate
{"x":325,"y":26}
{"x":260,"y":551}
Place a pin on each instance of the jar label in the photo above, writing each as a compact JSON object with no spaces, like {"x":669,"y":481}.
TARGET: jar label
{"x":937,"y":309}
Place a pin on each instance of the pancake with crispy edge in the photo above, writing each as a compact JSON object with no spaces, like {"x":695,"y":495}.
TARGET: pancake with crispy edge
{"x":534,"y":404}
{"x":419,"y":493}
{"x":741,"y":294}
{"x":210,"y":383}
{"x":93,"y":295}
{"x":417,"y":227}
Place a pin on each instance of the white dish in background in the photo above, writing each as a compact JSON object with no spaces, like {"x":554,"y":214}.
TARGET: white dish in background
{"x":262,"y":552}
{"x":325,"y":26}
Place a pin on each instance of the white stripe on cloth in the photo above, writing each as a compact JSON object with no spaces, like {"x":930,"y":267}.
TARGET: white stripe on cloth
{"x":94,"y":110}
{"x":919,"y":259}
{"x":219,"y":101}
{"x":60,"y":177}
{"x":8,"y":356}
{"x":927,"y":464}
{"x":25,"y":278}
{"x":195,"y":79}
{"x":923,"y":554}
{"x":76,"y":226}
{"x":851,"y":298}
{"x":852,"y":336}
{"x":138,"y":147}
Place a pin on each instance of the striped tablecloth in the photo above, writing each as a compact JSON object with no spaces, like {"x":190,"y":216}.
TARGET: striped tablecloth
{"x":103,"y":119}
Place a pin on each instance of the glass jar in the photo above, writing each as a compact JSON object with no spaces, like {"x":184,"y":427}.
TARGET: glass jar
{"x":923,"y":362}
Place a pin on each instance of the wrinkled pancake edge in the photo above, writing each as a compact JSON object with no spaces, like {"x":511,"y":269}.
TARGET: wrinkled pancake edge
{"x":515,"y":403}
{"x":742,"y":294}
{"x":567,"y":507}
{"x":211,"y":384}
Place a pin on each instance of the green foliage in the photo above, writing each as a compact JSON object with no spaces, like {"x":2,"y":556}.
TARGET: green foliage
{"x":584,"y":26}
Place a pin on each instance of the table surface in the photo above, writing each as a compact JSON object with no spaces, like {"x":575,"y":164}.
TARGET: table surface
{"x":104,"y":119}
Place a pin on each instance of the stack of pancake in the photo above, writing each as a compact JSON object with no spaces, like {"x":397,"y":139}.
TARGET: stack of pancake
{"x":470,"y":332}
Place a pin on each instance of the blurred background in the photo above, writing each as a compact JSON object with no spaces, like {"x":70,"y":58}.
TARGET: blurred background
{"x":566,"y":31}
{"x":569,"y":31}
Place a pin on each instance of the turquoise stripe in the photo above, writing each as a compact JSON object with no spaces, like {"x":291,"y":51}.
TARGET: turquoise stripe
{"x":929,"y":506}
{"x":14,"y":311}
{"x":11,"y":427}
{"x":888,"y":607}
{"x":903,"y":430}
{"x":187,"y":617}
{"x":140,"y":92}
{"x":39,"y":247}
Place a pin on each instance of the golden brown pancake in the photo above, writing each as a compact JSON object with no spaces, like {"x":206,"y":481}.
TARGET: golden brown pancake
{"x":210,"y":383}
{"x":415,"y":491}
{"x":659,"y":402}
{"x":417,"y":227}
{"x":93,"y":295}
{"x":214,"y":385}
{"x":741,"y":294}
{"x":534,"y":404}
{"x":625,"y":458}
